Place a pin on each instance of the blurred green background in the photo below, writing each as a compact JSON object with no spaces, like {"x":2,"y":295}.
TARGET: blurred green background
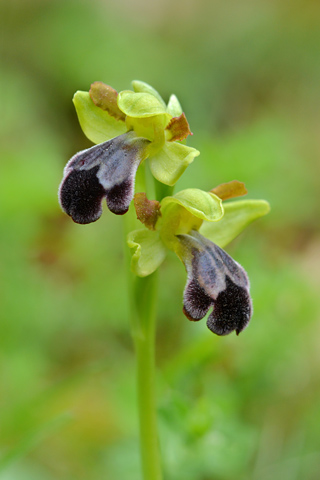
{"x":247,"y":74}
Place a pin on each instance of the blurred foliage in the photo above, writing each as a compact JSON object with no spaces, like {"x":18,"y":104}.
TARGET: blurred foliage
{"x":247,"y":74}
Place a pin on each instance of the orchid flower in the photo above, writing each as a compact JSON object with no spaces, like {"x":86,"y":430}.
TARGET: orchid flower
{"x":196,"y":225}
{"x":128,"y":128}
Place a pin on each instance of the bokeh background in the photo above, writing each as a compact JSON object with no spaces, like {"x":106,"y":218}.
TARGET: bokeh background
{"x":236,"y":408}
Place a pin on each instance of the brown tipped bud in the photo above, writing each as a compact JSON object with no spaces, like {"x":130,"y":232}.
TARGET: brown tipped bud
{"x":178,"y":128}
{"x":148,"y":211}
{"x":232,"y":189}
{"x":105,"y":97}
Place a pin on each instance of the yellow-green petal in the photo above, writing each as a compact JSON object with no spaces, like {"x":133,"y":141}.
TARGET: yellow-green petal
{"x":139,"y":105}
{"x":148,"y":251}
{"x":186,"y":211}
{"x":142,"y":87}
{"x":96,"y":123}
{"x":201,"y":204}
{"x":174,"y":107}
{"x":237,"y":216}
{"x":171,"y":161}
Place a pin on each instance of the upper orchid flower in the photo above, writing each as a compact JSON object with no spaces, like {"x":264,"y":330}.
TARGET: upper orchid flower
{"x":128,"y":128}
{"x":195,"y":225}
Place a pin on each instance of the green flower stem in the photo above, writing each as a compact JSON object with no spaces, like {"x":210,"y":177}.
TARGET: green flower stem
{"x":162,"y":190}
{"x":145,"y":295}
{"x":142,"y":304}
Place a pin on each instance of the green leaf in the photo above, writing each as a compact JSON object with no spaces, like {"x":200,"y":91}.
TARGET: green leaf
{"x":142,"y":87}
{"x":237,"y":215}
{"x":171,"y":161}
{"x":139,"y":105}
{"x":96,"y":123}
{"x":203,"y":205}
{"x":148,"y":251}
{"x":174,"y":107}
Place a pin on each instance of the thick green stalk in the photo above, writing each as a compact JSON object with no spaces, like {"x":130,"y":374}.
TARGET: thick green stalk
{"x":144,"y":340}
{"x":143,"y":302}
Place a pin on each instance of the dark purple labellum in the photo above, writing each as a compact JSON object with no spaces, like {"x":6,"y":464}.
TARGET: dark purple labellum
{"x":105,"y":170}
{"x":232,"y":310}
{"x":214,"y":280}
{"x":117,"y":197}
{"x":196,"y":301}
{"x":81,"y":194}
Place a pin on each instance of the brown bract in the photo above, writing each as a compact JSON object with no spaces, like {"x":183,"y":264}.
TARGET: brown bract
{"x":178,"y":128}
{"x":105,"y":97}
{"x":148,"y":211}
{"x":232,"y":189}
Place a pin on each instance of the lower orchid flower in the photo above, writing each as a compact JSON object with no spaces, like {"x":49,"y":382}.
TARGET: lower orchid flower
{"x":196,"y":225}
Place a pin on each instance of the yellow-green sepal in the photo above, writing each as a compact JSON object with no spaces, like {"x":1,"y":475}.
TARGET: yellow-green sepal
{"x":96,"y":124}
{"x":237,"y":216}
{"x":169,"y":163}
{"x":143,"y":87}
{"x":148,"y":251}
